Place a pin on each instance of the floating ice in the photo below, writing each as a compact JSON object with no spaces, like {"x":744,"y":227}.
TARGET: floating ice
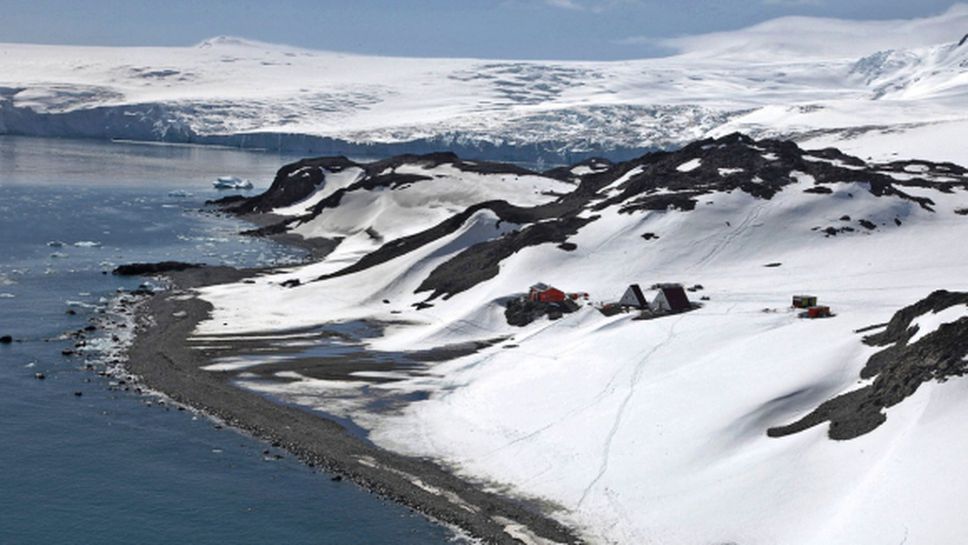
{"x":231,"y":182}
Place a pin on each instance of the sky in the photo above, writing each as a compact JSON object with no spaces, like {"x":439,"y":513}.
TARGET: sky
{"x":506,"y":29}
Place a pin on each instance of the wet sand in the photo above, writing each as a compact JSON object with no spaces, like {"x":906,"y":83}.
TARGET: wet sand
{"x":163,"y":357}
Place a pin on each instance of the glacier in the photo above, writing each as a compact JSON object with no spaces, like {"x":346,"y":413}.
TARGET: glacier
{"x":862,"y":86}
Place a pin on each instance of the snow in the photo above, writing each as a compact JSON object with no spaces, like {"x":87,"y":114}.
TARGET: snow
{"x":615,"y":186}
{"x":861,"y":85}
{"x":332,"y":182}
{"x":929,"y":323}
{"x":689,"y":165}
{"x":640,"y":431}
{"x":367,"y":219}
{"x":655,"y":430}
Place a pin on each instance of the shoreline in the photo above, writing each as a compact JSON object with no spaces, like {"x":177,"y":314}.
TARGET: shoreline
{"x":162,"y":357}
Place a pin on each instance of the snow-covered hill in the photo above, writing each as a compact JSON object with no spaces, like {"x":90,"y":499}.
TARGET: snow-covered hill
{"x":863,"y":86}
{"x":737,"y":422}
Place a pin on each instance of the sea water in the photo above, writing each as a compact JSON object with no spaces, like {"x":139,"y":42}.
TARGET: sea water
{"x":82,"y":462}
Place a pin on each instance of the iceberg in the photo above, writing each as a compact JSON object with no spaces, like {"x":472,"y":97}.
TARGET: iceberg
{"x":231,"y":182}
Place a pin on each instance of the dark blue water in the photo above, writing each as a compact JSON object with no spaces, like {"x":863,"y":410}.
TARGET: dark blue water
{"x":111,"y":466}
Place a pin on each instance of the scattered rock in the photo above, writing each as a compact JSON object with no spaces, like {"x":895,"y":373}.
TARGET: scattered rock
{"x":70,"y":312}
{"x":40,"y":376}
{"x":373,"y":234}
{"x":78,"y":393}
{"x":867,"y":225}
{"x":961,"y":211}
{"x":291,"y":283}
{"x":6,"y":339}
{"x":568,"y":246}
{"x":834,"y":231}
{"x":650,"y":236}
{"x":774,"y":264}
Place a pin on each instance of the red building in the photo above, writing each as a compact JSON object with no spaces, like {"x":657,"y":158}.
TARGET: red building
{"x":543,"y":293}
{"x":818,"y":312}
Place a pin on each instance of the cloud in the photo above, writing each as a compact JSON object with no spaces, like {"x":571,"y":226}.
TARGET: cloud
{"x":593,"y":6}
{"x":565,"y":4}
{"x":815,"y":36}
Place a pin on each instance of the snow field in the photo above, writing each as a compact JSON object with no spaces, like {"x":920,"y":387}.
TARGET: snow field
{"x":655,"y":430}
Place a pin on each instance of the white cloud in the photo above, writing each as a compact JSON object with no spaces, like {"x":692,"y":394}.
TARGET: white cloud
{"x":565,"y":4}
{"x":817,"y":37}
{"x":593,"y":6}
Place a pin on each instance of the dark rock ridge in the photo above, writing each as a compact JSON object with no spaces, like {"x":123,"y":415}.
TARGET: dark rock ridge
{"x":898,"y":370}
{"x":658,"y":181}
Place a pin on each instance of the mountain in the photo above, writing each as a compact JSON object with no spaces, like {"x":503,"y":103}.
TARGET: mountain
{"x":862,"y":86}
{"x":736,"y":421}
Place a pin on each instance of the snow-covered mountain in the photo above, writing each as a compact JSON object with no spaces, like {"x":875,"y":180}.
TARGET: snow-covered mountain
{"x":735,"y":422}
{"x":863,"y":86}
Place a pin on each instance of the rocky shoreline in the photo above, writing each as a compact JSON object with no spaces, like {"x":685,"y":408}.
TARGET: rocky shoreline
{"x":160,"y":355}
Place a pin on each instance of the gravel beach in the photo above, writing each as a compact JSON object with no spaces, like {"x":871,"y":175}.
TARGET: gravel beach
{"x":163,"y":358}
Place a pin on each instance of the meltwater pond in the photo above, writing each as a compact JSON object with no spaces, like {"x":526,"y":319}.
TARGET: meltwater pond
{"x":109,"y":466}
